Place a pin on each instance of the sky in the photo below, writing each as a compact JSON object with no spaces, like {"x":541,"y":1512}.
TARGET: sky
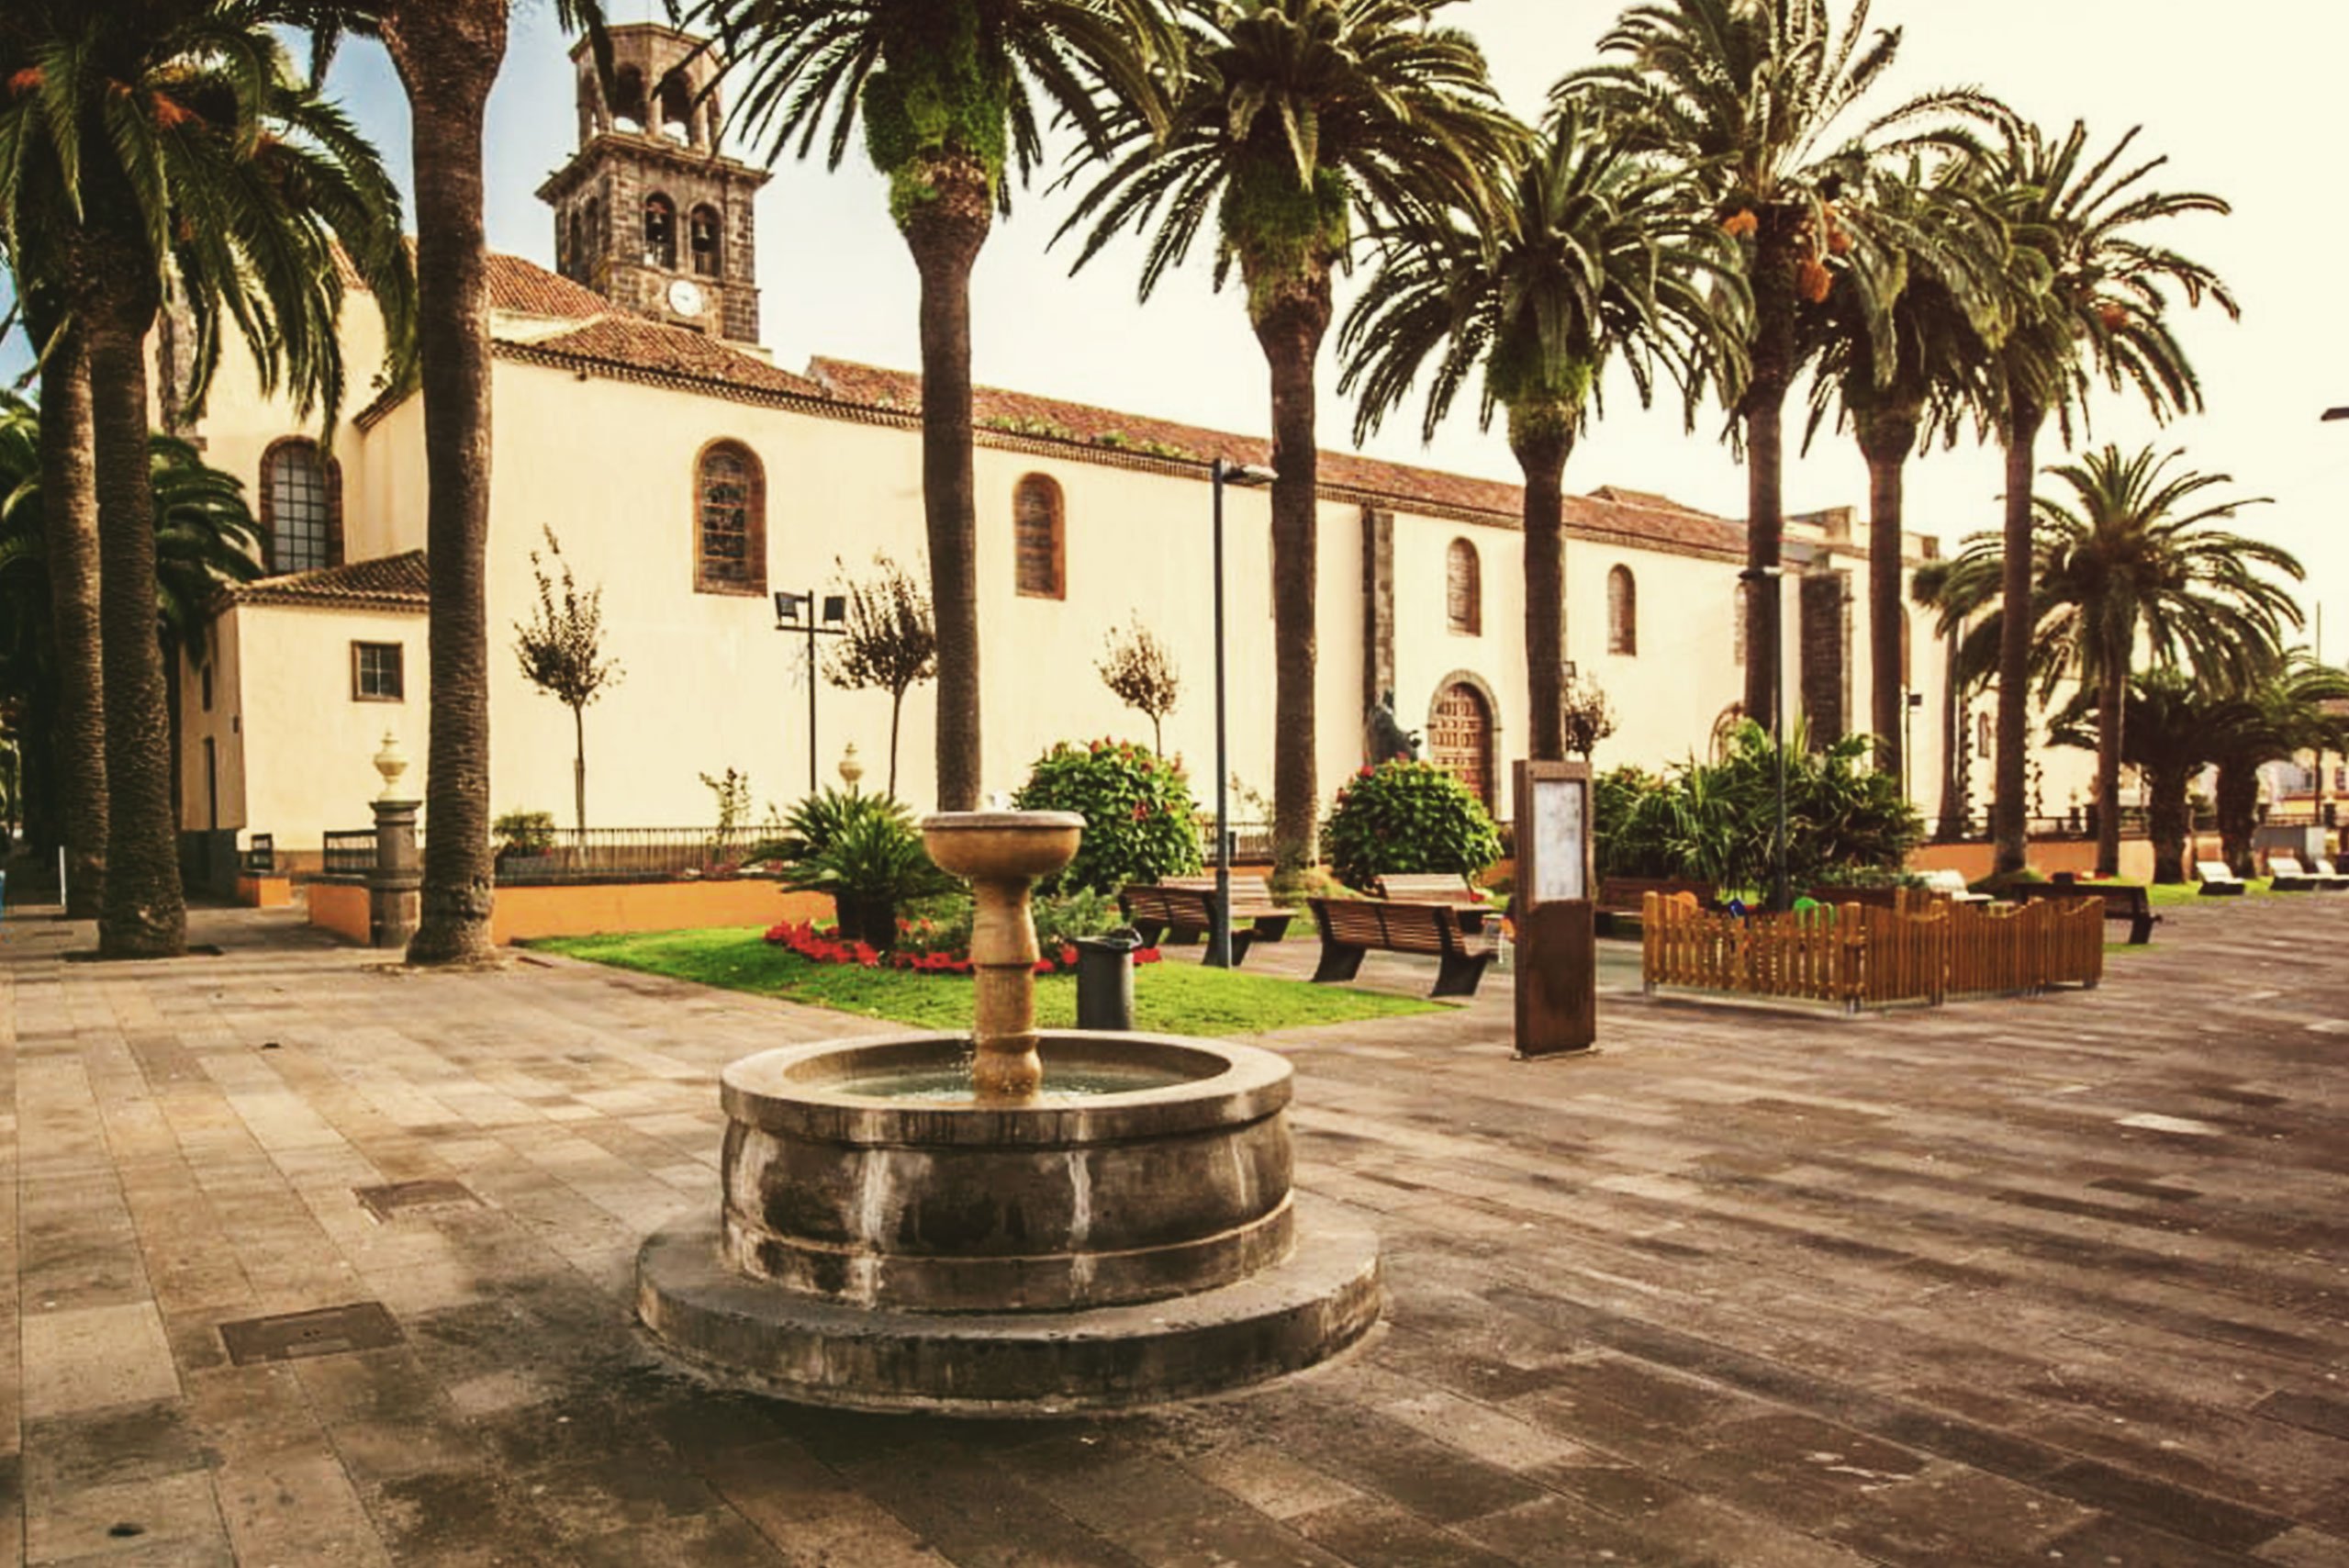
{"x":2241,"y":101}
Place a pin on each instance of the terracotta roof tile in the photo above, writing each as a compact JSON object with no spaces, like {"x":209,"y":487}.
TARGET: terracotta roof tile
{"x":521,"y":287}
{"x":386,"y":582}
{"x":633,"y":343}
{"x":1634,"y":517}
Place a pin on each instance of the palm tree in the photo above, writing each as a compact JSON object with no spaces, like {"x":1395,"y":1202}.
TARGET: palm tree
{"x":1294,"y":117}
{"x":172,"y":147}
{"x":2169,"y":734}
{"x":1597,"y":253}
{"x":2134,"y":561}
{"x":1900,"y":352}
{"x":2288,"y":705}
{"x":949,"y":92}
{"x":1752,"y":98}
{"x":2101,"y":310}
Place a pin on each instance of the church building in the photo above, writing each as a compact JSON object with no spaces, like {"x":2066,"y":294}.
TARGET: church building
{"x":637,"y":420}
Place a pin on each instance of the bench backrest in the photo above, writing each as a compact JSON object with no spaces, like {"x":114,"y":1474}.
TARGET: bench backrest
{"x":1167,"y":905}
{"x":1244,"y":888}
{"x":2324,"y":867}
{"x":1438,"y":887}
{"x":1946,"y":880}
{"x":1394,"y":926}
{"x":2214,"y":871}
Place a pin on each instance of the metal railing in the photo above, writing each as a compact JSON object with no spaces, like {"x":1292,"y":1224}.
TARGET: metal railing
{"x":623,"y":854}
{"x":351,"y":854}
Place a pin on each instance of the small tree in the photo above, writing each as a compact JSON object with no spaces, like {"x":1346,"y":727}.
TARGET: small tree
{"x":1587,"y":716}
{"x":891,"y":643}
{"x":1137,"y":666}
{"x":561,"y":650}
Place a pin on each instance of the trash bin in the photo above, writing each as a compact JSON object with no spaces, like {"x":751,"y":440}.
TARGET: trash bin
{"x":1106,"y":980}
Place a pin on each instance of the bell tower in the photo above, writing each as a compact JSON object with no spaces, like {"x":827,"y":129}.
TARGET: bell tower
{"x":649,"y":212}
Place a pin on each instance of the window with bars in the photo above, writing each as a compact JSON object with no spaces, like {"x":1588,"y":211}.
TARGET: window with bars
{"x":1622,"y":612}
{"x":1039,"y":538}
{"x":729,"y":543}
{"x":376,"y":673}
{"x":1463,"y":589}
{"x":301,"y":508}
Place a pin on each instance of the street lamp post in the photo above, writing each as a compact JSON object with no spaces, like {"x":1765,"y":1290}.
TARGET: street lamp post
{"x":789,"y":608}
{"x":1219,"y":928}
{"x":1915,"y":699}
{"x":1779,"y":902}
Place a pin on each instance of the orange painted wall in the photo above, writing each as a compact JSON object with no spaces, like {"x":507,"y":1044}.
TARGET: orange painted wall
{"x":266,"y":893}
{"x":1974,"y":861}
{"x":341,"y":908}
{"x":520,"y":913}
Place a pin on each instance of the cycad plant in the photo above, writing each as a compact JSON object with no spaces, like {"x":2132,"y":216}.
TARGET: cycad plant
{"x":2099,"y":311}
{"x":1596,"y":256}
{"x":169,"y":145}
{"x":1757,"y":101}
{"x":1294,"y":122}
{"x":952,"y":95}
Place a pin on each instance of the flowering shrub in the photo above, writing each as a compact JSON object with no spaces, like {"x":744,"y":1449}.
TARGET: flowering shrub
{"x":1402,"y":817}
{"x":827,"y":947}
{"x":1137,"y":809}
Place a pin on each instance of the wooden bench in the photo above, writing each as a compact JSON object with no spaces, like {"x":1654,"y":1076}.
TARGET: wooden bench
{"x":1438,"y":887}
{"x":1619,"y":897}
{"x":1351,"y":928}
{"x":1253,"y":906}
{"x":2219,"y":880}
{"x":2122,"y":901}
{"x":1178,"y":916}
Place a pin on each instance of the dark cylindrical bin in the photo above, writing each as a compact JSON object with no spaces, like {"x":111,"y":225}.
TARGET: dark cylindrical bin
{"x":1106,"y":980}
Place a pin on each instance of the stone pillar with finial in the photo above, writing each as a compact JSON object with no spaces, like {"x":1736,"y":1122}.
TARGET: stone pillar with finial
{"x":393,"y":896}
{"x":852,"y":768}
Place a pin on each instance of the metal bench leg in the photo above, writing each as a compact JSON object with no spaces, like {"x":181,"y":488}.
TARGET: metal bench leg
{"x":1457,"y":975}
{"x":1241,"y":943}
{"x":1338,"y":962}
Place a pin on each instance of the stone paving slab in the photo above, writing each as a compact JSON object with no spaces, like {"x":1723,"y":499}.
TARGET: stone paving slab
{"x":2062,"y":1279}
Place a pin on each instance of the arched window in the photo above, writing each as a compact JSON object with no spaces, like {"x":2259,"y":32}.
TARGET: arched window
{"x":627,"y":98}
{"x":703,"y":231}
{"x":1463,"y":589}
{"x":593,"y":247}
{"x":676,"y":109}
{"x":1622,"y":611}
{"x":572,"y":263}
{"x":1039,"y":538}
{"x":660,"y":232}
{"x":729,"y":521}
{"x":301,"y":507}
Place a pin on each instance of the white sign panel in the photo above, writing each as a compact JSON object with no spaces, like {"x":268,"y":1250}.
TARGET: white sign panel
{"x":1560,"y":826}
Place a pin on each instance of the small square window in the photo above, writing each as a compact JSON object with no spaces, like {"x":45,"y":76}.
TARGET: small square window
{"x":376,"y":672}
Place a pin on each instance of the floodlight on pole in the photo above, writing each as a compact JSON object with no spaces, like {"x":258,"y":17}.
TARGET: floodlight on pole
{"x":1219,"y":926}
{"x":796,"y":613}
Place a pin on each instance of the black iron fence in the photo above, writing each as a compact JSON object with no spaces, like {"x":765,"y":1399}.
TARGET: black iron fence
{"x":351,"y":854}
{"x":568,"y":854}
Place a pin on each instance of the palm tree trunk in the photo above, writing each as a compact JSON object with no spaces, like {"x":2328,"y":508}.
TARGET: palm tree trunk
{"x":70,"y":539}
{"x":945,"y":234}
{"x":1949,"y":824}
{"x":1763,"y":408}
{"x":1290,"y":318}
{"x":1542,"y":446}
{"x":144,"y":915}
{"x":447,"y":53}
{"x":1887,"y":438}
{"x":2168,"y":819}
{"x":2008,"y":809}
{"x":2237,"y":800}
{"x":2113,"y":693}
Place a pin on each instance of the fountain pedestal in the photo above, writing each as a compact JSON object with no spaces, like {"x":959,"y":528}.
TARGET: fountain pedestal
{"x":1017,"y":1248}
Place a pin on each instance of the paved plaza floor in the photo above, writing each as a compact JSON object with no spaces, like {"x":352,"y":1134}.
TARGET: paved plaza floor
{"x":2055,"y":1280}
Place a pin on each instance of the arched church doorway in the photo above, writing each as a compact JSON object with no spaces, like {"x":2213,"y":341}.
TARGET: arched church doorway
{"x":1460,"y":737}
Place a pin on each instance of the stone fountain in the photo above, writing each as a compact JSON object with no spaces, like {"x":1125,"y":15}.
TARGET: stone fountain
{"x":1013,"y":1222}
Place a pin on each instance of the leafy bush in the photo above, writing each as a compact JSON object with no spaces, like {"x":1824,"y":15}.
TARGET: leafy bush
{"x":942,"y":925}
{"x":1405,"y":817}
{"x":1715,"y":821}
{"x":1137,"y":809}
{"x":820,"y":818}
{"x":871,"y":860}
{"x":521,"y":835}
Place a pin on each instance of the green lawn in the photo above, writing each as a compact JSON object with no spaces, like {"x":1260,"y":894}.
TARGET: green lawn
{"x":2190,"y":893}
{"x":1175,"y":998}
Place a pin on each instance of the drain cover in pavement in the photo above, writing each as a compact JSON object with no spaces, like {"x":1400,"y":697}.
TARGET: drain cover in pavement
{"x":328,"y":1331}
{"x":386,"y":1201}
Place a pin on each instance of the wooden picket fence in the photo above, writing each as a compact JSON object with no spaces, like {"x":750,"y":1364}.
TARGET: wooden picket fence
{"x":1924,"y":948}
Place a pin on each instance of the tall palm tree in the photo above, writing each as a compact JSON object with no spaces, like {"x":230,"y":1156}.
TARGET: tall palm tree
{"x":175,"y":149}
{"x":2169,"y":733}
{"x":1294,"y":118}
{"x":2131,"y":563}
{"x":2102,"y":311}
{"x":949,"y":92}
{"x":1596,"y":252}
{"x":2288,"y":705}
{"x":1900,"y":352}
{"x":1753,"y":98}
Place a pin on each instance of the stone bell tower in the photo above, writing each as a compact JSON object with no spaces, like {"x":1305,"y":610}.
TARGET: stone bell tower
{"x":648,"y":211}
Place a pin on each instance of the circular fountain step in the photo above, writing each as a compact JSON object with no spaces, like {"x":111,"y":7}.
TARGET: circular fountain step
{"x":1325,"y":1295}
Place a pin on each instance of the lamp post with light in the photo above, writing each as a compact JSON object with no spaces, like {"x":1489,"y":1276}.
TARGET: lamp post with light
{"x":796,"y":613}
{"x":1219,"y":927}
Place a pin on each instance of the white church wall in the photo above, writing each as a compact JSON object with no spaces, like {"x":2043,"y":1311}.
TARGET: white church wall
{"x":303,"y":762}
{"x":219,"y":722}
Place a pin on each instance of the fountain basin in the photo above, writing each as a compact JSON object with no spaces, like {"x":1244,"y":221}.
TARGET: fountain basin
{"x":1136,"y":1195}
